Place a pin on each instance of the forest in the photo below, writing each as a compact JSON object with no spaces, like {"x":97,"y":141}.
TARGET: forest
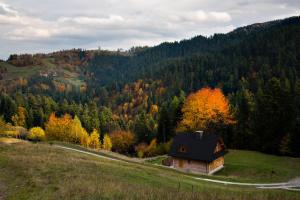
{"x":246,"y":83}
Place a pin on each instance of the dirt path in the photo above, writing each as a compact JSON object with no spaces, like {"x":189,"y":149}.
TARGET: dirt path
{"x":293,"y":184}
{"x":89,"y":153}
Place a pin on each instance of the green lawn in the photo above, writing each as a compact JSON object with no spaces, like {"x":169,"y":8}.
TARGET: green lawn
{"x":42,"y":171}
{"x":251,"y":166}
{"x":255,"y":166}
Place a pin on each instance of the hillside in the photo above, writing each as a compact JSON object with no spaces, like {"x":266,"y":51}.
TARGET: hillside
{"x":142,"y":90}
{"x":46,"y":174}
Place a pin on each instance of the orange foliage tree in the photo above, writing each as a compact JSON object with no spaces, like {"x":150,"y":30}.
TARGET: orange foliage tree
{"x":122,"y":141}
{"x":203,"y":108}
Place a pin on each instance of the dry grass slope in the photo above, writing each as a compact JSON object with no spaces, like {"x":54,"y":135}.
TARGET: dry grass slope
{"x":42,"y":171}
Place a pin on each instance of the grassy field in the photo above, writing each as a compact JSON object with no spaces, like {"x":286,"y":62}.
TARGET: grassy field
{"x":42,"y":171}
{"x":14,"y":72}
{"x":251,"y":166}
{"x":64,"y":75}
{"x":255,"y":166}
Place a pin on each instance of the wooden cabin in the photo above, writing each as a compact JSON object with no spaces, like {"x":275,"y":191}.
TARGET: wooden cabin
{"x":197,"y":152}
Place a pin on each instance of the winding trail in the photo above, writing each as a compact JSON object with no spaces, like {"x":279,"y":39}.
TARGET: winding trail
{"x":293,"y":185}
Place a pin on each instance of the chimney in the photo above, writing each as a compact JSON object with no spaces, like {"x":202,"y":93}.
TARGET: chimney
{"x":199,"y":134}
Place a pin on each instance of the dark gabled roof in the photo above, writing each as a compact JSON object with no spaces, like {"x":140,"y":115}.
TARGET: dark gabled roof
{"x":197,"y":147}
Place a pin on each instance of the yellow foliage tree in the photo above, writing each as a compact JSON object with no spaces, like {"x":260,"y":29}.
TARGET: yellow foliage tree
{"x":76,"y":131}
{"x":36,"y":134}
{"x":66,"y":129}
{"x":94,"y":140}
{"x":19,"y":119}
{"x":84,"y":139}
{"x":58,"y":128}
{"x":204,"y":107}
{"x":154,"y":109}
{"x":107,"y":144}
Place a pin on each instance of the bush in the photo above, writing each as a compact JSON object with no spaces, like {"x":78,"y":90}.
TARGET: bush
{"x":22,"y":132}
{"x":151,"y":149}
{"x":141,"y":149}
{"x":168,"y":145}
{"x":160,"y":149}
{"x":36,"y":134}
{"x":140,"y":154}
{"x":122,"y":141}
{"x":14,"y":131}
{"x":146,"y":150}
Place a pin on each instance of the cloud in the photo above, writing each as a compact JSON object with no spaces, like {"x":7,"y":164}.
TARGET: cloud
{"x":7,"y":10}
{"x":36,"y":26}
{"x":110,"y":20}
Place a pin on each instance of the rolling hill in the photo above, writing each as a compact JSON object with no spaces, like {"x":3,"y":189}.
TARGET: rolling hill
{"x":45,"y":173}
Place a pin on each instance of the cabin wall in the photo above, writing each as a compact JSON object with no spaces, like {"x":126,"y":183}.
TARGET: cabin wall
{"x":216,"y":163}
{"x":198,"y":166}
{"x":190,"y":165}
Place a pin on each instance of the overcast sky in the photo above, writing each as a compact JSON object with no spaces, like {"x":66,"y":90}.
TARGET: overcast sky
{"x":47,"y":25}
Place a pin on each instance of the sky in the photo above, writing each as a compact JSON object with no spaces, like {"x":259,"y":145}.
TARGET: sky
{"x":35,"y":26}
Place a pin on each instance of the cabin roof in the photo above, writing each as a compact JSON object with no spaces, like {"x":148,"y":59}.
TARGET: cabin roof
{"x":196,"y":146}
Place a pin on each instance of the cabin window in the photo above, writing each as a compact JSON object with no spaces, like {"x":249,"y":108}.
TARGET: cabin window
{"x":182,"y":149}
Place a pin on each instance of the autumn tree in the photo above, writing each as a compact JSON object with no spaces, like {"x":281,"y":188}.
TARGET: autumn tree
{"x":154,"y":110}
{"x":107,"y":144}
{"x":143,"y":149}
{"x":94,"y":140}
{"x":76,"y":131}
{"x":203,"y":108}
{"x":151,"y":149}
{"x":140,"y":149}
{"x":84,"y":138}
{"x":36,"y":134}
{"x":58,"y":128}
{"x":122,"y":141}
{"x":19,"y":119}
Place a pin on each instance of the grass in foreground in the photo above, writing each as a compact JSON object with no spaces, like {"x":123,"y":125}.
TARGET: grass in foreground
{"x":42,"y":171}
